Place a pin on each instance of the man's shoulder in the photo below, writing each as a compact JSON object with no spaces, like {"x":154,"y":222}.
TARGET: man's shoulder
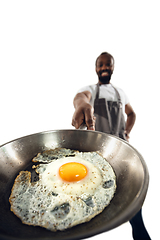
{"x":90,"y":88}
{"x":122,"y":94}
{"x":119,"y":89}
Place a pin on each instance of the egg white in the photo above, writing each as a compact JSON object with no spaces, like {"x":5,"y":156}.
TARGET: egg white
{"x":41,"y":204}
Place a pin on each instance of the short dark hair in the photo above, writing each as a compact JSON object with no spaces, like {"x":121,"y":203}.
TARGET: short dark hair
{"x":104,"y":53}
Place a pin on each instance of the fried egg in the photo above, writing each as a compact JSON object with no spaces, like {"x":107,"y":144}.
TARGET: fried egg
{"x":69,"y":182}
{"x":72,"y":176}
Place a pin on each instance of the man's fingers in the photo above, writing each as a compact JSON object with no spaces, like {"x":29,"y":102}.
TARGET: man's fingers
{"x":90,"y":119}
{"x":76,"y":123}
{"x":84,"y":115}
{"x":77,"y":120}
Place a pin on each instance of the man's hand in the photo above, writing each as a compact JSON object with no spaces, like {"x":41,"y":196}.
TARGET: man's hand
{"x":126,"y":135}
{"x":84,"y":112}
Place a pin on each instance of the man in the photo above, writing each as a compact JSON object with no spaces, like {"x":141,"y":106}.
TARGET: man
{"x":84,"y":101}
{"x":102,"y":107}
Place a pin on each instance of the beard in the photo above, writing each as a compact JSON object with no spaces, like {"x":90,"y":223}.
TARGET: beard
{"x":105,"y":79}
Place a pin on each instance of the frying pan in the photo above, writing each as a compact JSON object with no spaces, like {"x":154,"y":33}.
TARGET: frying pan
{"x":129,"y":166}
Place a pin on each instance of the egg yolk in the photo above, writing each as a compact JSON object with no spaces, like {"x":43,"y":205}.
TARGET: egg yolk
{"x":72,"y":171}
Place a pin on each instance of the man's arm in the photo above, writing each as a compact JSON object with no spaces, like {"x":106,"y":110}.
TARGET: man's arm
{"x":84,"y":112}
{"x":131,"y":117}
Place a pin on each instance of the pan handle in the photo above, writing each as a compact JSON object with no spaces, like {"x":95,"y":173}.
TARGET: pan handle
{"x":83,"y":126}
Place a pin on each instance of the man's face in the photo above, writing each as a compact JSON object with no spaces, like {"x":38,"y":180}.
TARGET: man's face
{"x":104,"y":68}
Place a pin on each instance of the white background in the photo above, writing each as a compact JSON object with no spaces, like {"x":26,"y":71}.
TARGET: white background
{"x":48,"y":51}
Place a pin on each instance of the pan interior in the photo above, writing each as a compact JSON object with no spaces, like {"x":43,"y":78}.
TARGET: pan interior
{"x":128,"y":164}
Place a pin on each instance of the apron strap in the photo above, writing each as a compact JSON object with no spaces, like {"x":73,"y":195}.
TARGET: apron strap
{"x":117,"y":93}
{"x":97,"y":93}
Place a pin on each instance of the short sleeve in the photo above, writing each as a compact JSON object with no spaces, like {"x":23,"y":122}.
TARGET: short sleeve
{"x":92,"y":90}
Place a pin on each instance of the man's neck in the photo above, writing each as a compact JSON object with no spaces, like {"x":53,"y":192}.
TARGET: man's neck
{"x":100,"y":83}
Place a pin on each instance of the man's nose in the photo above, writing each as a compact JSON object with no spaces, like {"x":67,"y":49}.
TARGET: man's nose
{"x":104,"y":67}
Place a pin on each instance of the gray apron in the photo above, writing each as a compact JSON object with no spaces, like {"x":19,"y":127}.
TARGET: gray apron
{"x":110,"y":119}
{"x":109,"y":115}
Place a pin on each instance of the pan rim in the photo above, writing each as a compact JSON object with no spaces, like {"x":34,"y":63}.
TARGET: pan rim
{"x":132,"y":210}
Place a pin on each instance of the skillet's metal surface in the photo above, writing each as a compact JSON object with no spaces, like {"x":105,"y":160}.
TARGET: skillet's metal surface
{"x":129,"y":166}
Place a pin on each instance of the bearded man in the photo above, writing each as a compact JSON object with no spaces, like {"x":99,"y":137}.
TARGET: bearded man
{"x":102,"y":107}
